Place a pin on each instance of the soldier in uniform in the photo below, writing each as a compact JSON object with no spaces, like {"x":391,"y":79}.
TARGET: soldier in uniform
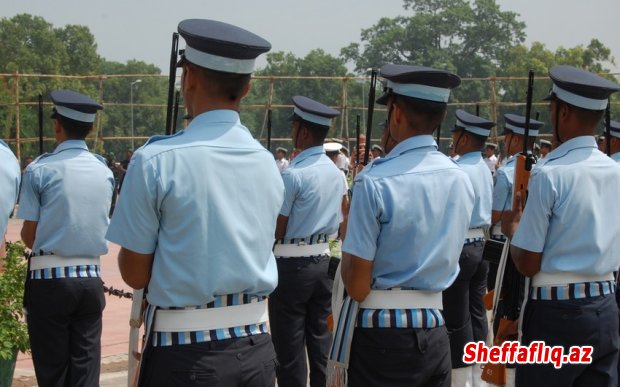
{"x":196,"y":223}
{"x":408,"y":219}
{"x":567,"y":241}
{"x":545,"y":148}
{"x":65,"y":201}
{"x":463,"y":306}
{"x":614,"y":143}
{"x":10,"y":175}
{"x":299,"y":306}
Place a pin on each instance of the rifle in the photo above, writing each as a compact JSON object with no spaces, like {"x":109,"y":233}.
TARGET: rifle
{"x":608,"y":128}
{"x":175,"y":115}
{"x":40,"y":124}
{"x":371,"y":109}
{"x":269,"y":130}
{"x":357,"y":141}
{"x":512,"y":283}
{"x":524,"y":161}
{"x":171,"y":81}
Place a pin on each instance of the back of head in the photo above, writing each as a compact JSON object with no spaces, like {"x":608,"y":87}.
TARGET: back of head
{"x":421,"y":92}
{"x":222,"y":54}
{"x":75,"y":111}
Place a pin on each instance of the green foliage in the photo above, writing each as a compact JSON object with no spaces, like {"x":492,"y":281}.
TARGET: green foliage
{"x":317,"y":63}
{"x":468,"y":38}
{"x":13,"y":329}
{"x":116,"y":120}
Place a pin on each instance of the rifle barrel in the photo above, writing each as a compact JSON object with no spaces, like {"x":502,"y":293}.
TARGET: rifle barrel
{"x":40,"y":124}
{"x":371,"y":109}
{"x":171,"y":81}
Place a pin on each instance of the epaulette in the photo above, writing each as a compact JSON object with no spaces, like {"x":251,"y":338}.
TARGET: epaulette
{"x":36,"y":160}
{"x":100,"y":158}
{"x":159,"y":137}
{"x":44,"y":155}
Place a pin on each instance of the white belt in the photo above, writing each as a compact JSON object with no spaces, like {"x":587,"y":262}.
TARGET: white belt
{"x":474,"y":233}
{"x":50,"y":261}
{"x":294,"y":250}
{"x":565,"y":278}
{"x":402,"y":299}
{"x":497,"y":230}
{"x":193,"y":320}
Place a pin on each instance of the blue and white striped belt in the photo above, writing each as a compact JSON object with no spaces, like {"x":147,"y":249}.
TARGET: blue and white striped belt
{"x":474,"y":235}
{"x":56,"y":266}
{"x":570,"y":286}
{"x":228,"y":316}
{"x":400,"y":308}
{"x":314,"y":246}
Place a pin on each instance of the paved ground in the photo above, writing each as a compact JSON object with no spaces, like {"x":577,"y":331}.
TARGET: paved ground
{"x":114,"y":339}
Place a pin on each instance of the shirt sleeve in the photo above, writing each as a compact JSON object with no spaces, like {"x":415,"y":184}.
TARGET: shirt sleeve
{"x":500,"y":191}
{"x":363,"y":227}
{"x":30,"y":197}
{"x":291,"y":189}
{"x":532,"y":232}
{"x":135,"y":223}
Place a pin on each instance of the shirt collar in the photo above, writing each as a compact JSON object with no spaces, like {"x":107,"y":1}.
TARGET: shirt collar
{"x":314,"y":150}
{"x":411,"y":143}
{"x":71,"y":144}
{"x":211,"y":117}
{"x":471,"y":155}
{"x":572,"y":144}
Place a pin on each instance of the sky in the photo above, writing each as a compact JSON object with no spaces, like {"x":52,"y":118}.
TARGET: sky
{"x":142,"y":29}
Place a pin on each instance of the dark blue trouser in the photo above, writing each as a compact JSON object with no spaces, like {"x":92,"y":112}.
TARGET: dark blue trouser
{"x":398,"y":357}
{"x":246,"y":361}
{"x":590,"y":321}
{"x":298,"y":311}
{"x":463,"y":307}
{"x":64,"y":325}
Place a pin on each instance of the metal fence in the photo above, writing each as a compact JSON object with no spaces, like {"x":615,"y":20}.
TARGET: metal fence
{"x":18,"y":105}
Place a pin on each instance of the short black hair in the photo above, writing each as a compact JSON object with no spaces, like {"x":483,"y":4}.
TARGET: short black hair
{"x":224,"y":84}
{"x":586,"y":116}
{"x":430,"y":111}
{"x":75,"y":130}
{"x":319,"y":132}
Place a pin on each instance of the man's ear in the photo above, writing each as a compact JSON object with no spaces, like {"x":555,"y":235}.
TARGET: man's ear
{"x":246,"y":90}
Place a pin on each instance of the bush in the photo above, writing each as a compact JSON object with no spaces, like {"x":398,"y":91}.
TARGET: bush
{"x":13,"y":329}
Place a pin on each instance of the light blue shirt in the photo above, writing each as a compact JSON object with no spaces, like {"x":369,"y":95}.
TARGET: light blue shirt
{"x":502,"y":192}
{"x":205,"y":201}
{"x":10,"y":174}
{"x":313,"y":195}
{"x":69,"y":193}
{"x":571,"y":215}
{"x":482,"y":182}
{"x":409,"y":215}
{"x":616,"y":157}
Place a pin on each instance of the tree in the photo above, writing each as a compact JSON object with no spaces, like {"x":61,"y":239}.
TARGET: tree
{"x":116,"y":119}
{"x":316,"y":63}
{"x":31,"y":45}
{"x":455,"y":35}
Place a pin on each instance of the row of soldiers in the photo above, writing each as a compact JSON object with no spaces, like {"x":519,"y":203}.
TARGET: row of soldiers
{"x":210,"y":228}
